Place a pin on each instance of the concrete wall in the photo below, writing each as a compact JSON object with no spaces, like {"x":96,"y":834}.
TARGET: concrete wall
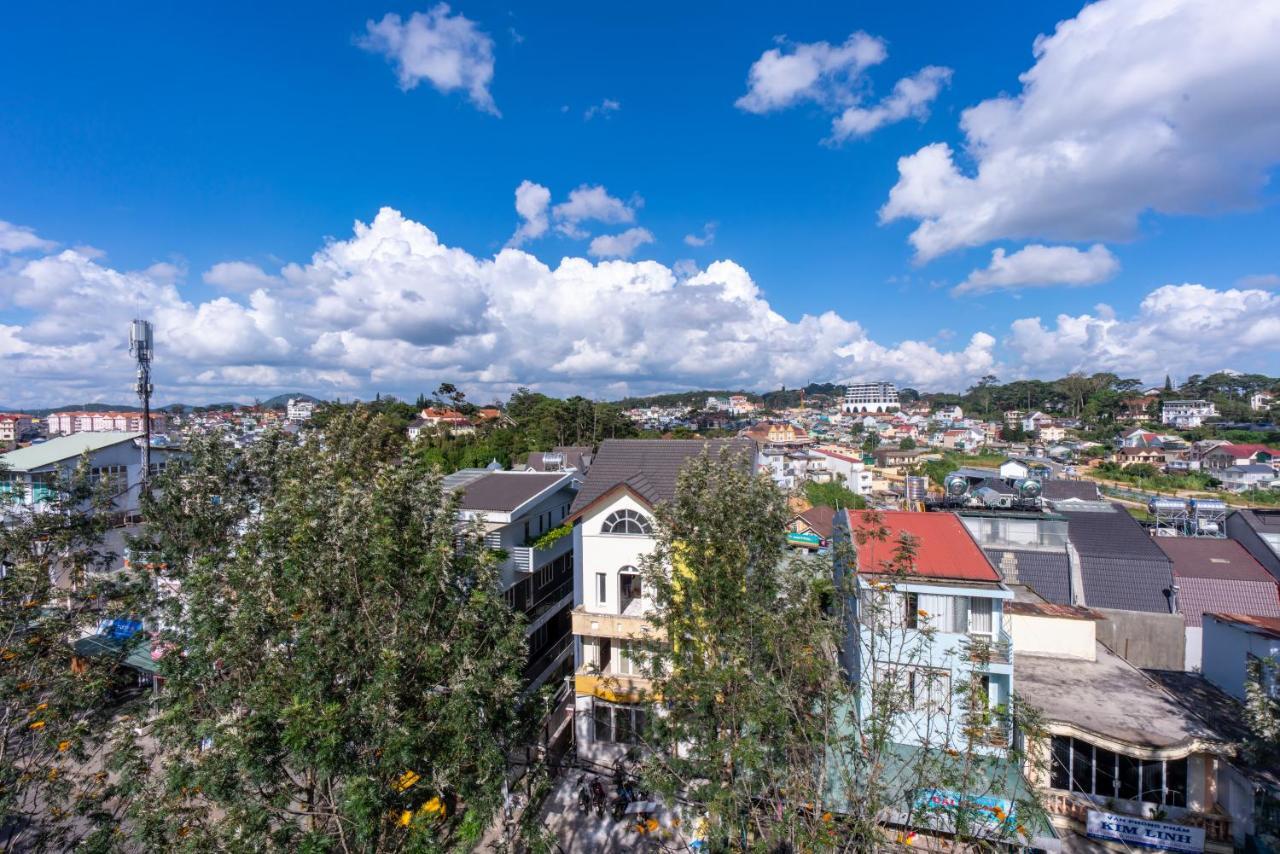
{"x":1226,"y":651}
{"x":1053,"y":636}
{"x":1144,"y":639}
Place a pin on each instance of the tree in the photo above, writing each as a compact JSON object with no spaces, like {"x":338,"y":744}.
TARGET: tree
{"x":870,"y":443}
{"x":832,"y":494}
{"x":1168,"y":384}
{"x":760,"y":732}
{"x":906,"y":443}
{"x":342,"y":671}
{"x":58,"y":583}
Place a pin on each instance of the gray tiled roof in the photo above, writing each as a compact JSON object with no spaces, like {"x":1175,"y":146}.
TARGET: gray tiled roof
{"x":506,"y":490}
{"x":649,"y":466}
{"x":1060,"y":490}
{"x":1200,"y":596}
{"x":1120,"y":566}
{"x":1210,"y":557}
{"x":1047,"y":573}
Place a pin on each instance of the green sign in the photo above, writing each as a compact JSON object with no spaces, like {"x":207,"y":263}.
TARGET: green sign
{"x":799,"y":539}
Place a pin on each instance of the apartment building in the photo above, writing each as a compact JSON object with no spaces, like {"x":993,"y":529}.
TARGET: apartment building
{"x":66,"y":423}
{"x":782,"y":451}
{"x":613,"y":532}
{"x":870,"y":397}
{"x":524,"y":514}
{"x":299,"y":409}
{"x":12,"y":426}
{"x":1187,"y":413}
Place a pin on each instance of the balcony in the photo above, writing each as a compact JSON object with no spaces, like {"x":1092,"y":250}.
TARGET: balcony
{"x":548,"y":600}
{"x":985,"y":650}
{"x":539,"y":665}
{"x":611,"y":687}
{"x":1075,"y":808}
{"x":528,"y":559}
{"x":624,"y":626}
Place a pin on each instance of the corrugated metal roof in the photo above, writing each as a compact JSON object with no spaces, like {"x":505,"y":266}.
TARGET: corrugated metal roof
{"x":648,"y":466}
{"x":1061,"y":490}
{"x":1209,"y":557}
{"x":1120,"y":566}
{"x":61,"y":448}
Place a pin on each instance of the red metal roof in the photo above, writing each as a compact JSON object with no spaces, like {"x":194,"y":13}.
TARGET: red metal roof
{"x":1267,"y":625}
{"x":1246,"y":450}
{"x":944,"y":547}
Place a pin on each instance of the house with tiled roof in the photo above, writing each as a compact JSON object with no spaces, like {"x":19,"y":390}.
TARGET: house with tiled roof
{"x":912,"y":572}
{"x":1216,"y":575}
{"x":1232,"y":454}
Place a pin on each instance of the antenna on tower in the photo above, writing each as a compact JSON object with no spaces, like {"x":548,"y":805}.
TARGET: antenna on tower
{"x":142,"y":348}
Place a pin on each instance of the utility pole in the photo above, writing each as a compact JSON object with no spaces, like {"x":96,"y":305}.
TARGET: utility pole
{"x":141,"y":347}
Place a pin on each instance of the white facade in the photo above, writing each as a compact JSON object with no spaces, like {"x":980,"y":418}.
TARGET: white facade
{"x":847,"y":469}
{"x":1187,"y":413}
{"x":299,"y":410}
{"x":870,"y":397}
{"x":609,"y":612}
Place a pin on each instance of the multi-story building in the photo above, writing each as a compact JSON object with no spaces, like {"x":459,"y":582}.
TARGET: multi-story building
{"x":66,"y":423}
{"x":299,"y":409}
{"x":1187,"y":413}
{"x":951,"y":588}
{"x":845,"y":466}
{"x":1261,"y":400}
{"x":12,"y":426}
{"x":1228,"y":454}
{"x":870,"y":397}
{"x":613,"y":532}
{"x":782,"y":450}
{"x":524,"y":514}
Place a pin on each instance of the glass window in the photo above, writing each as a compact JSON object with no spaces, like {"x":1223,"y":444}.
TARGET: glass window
{"x":627,"y":521}
{"x":1129,"y":776}
{"x":911,"y":610}
{"x":1152,"y":782}
{"x":1060,"y":763}
{"x":1175,"y":782}
{"x":604,"y":722}
{"x":1081,"y":766}
{"x":1104,"y":773}
{"x":602,"y":587}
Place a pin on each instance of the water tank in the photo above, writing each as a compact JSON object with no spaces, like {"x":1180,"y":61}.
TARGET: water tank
{"x":1208,"y":505}
{"x":956,"y":485}
{"x":990,"y":498}
{"x":1028,"y":487}
{"x":1166,"y":505}
{"x":1204,"y":526}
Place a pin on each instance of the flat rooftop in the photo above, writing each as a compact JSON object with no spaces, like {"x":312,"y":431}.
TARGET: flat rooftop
{"x":1109,"y":697}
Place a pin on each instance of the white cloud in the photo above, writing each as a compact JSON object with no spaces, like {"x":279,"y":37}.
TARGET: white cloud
{"x":707,"y":237}
{"x":20,"y":238}
{"x":604,"y":109}
{"x":1178,"y":328}
{"x":1260,"y":280}
{"x":447,"y":50}
{"x":622,"y":245}
{"x":532,"y":201}
{"x":239,"y":276}
{"x":834,"y":78}
{"x":910,"y":99}
{"x":1037,"y":265}
{"x":1131,"y":106}
{"x":786,"y":75}
{"x":391,"y":308}
{"x":592,"y":203}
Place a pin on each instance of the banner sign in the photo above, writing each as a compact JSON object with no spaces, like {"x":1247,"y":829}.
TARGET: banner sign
{"x":1161,"y":835}
{"x":804,"y":539}
{"x":993,"y":812}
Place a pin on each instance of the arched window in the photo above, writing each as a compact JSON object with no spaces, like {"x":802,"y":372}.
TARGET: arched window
{"x":627,"y":522}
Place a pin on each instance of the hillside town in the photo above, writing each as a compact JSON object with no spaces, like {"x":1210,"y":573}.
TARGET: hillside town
{"x":1113,"y":551}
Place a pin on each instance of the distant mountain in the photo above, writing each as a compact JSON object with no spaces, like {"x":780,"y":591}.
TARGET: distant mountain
{"x":281,"y":400}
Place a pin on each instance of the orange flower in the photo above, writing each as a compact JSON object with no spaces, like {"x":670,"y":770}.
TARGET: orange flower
{"x":37,"y":725}
{"x":64,"y":746}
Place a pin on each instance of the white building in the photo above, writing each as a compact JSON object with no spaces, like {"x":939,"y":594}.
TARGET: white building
{"x":846,"y":467}
{"x":299,"y":409}
{"x":1261,"y":400}
{"x":870,"y":397}
{"x":613,"y":533}
{"x":66,"y":423}
{"x":1187,"y":413}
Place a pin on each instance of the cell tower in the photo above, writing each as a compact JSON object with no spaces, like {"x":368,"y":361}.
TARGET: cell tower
{"x":141,"y":347}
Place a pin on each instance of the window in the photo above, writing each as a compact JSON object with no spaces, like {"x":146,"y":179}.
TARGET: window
{"x":602,"y":587}
{"x":911,"y":610}
{"x":628,"y":522}
{"x":980,"y":622}
{"x":618,"y":723}
{"x":1081,"y":767}
{"x":629,"y":584}
{"x":546,"y":574}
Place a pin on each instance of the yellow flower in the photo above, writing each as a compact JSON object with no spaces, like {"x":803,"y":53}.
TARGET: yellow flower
{"x":37,"y":725}
{"x":64,"y":746}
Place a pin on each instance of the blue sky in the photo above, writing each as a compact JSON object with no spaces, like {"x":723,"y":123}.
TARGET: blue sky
{"x":138,"y":152}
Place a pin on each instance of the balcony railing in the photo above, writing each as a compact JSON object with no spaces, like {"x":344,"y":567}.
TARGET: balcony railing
{"x":549,"y":599}
{"x":534,"y":668}
{"x":1217,"y":827}
{"x":987,"y":650}
{"x":527,"y":558}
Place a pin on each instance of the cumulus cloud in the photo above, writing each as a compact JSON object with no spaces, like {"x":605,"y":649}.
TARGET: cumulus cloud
{"x":707,"y":237}
{"x":1037,"y":265}
{"x":604,"y":109}
{"x":445,"y":49}
{"x":20,"y":238}
{"x":1131,"y":106}
{"x":1177,"y":327}
{"x":532,"y":201}
{"x":834,"y":78}
{"x":910,"y":99}
{"x":791,"y":73}
{"x":239,"y":276}
{"x":622,"y":245}
{"x":391,"y":308}
{"x":1260,"y":280}
{"x":588,"y":203}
